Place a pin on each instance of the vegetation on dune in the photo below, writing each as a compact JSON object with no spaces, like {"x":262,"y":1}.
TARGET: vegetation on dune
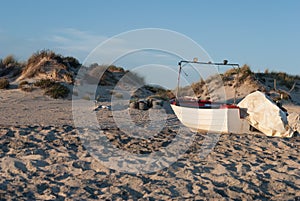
{"x":133,"y":77}
{"x":243,"y":77}
{"x":244,"y":73}
{"x":23,"y":83}
{"x":55,"y":65}
{"x":241,"y":74}
{"x":52,"y":88}
{"x":113,"y":68}
{"x":4,"y":83}
{"x":99,"y":74}
{"x":57,"y":91}
{"x":159,"y":92}
{"x":71,"y":61}
{"x":198,"y":86}
{"x":9,"y":60}
{"x":36,"y":57}
{"x":44,"y":83}
{"x":10,"y":67}
{"x":57,"y":69}
{"x":25,"y":86}
{"x":282,"y":78}
{"x":110,"y":75}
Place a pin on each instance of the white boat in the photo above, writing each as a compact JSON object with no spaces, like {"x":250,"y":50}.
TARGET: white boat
{"x":199,"y":115}
{"x":221,"y":120}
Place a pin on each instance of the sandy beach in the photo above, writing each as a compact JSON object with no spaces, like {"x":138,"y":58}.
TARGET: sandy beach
{"x":43,"y":157}
{"x":149,"y":100}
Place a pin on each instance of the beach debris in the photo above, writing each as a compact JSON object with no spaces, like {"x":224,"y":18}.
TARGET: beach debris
{"x":145,"y":104}
{"x":100,"y":107}
{"x":264,"y":115}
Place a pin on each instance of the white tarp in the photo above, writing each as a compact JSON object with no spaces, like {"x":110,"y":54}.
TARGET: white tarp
{"x":265,"y":115}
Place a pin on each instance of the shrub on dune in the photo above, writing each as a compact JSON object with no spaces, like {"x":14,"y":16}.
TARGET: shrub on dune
{"x":57,"y":91}
{"x":9,"y":60}
{"x":4,"y":83}
{"x":53,"y":89}
{"x":25,"y":86}
{"x":44,"y":83}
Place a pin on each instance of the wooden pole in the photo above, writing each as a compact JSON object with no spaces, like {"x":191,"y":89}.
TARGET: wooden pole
{"x":293,"y":87}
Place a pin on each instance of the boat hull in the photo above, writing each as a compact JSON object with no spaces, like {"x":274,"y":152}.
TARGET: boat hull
{"x":225,"y":120}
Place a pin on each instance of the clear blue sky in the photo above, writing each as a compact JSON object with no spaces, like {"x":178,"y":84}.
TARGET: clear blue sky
{"x":263,"y":34}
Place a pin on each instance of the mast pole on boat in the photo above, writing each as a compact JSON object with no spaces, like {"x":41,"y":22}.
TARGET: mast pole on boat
{"x":178,"y":79}
{"x":195,"y":61}
{"x":236,"y":85}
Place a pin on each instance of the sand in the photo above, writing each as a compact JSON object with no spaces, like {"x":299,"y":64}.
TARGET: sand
{"x":44,"y":157}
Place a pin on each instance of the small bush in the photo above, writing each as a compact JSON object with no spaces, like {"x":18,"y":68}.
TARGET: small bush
{"x":25,"y":86}
{"x":9,"y":60}
{"x":44,"y":83}
{"x":4,"y":83}
{"x":71,"y":61}
{"x":57,"y":91}
{"x":53,"y":89}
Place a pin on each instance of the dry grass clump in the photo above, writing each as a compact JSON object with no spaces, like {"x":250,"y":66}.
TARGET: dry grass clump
{"x":4,"y":83}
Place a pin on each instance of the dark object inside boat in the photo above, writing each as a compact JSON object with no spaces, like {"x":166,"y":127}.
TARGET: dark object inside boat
{"x":205,"y":104}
